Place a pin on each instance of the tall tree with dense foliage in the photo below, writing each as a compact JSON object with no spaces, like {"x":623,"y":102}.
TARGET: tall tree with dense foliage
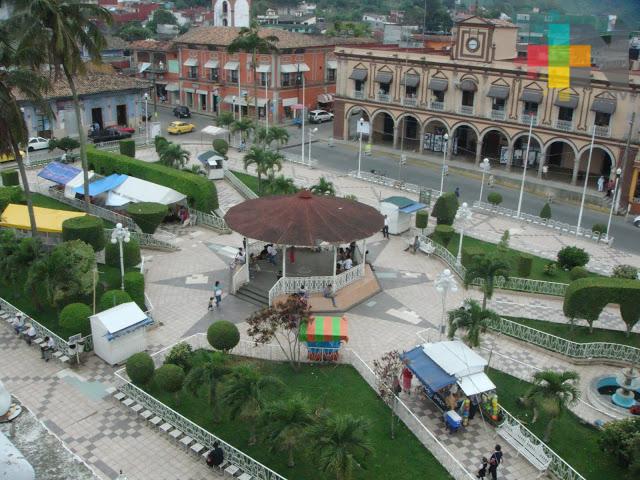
{"x":70,"y":273}
{"x":280,"y":185}
{"x":250,"y":40}
{"x":473,"y":319}
{"x":265,"y":161}
{"x":208,"y":373}
{"x":280,"y":135}
{"x":173,"y":155}
{"x":225,"y":120}
{"x":64,"y":31}
{"x":245,"y":126}
{"x":487,"y":268}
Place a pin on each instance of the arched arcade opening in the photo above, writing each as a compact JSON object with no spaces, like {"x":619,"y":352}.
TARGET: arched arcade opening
{"x":382,"y":129}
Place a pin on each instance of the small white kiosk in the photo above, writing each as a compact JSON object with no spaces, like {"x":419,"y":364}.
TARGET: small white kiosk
{"x":119,"y":332}
{"x":399,"y":211}
{"x":214,"y":164}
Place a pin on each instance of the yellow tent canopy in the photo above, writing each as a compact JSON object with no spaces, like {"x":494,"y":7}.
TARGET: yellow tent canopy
{"x":47,"y":219}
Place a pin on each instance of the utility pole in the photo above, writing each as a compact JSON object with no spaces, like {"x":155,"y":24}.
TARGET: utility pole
{"x":624,"y":160}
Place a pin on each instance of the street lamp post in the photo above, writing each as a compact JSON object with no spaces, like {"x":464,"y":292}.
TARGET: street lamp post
{"x":485,"y":166}
{"x":445,"y":283}
{"x":118,"y":235}
{"x":146,"y":116}
{"x":526,"y":162}
{"x":445,"y":140}
{"x":311,"y":133}
{"x":586,"y":181}
{"x":302,"y":114}
{"x":463,"y":215}
{"x":233,"y":103}
{"x":613,"y":201}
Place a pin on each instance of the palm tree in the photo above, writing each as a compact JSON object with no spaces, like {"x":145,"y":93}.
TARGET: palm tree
{"x":487,"y":268}
{"x":324,"y":187}
{"x":473,"y":318}
{"x":208,"y":373}
{"x":553,"y":392}
{"x":245,"y":126}
{"x":280,"y":185}
{"x":285,"y":424}
{"x":342,"y":443}
{"x":173,"y":155}
{"x":225,"y":120}
{"x":280,"y":135}
{"x":244,"y":392}
{"x":64,"y":30}
{"x":261,"y":136}
{"x":20,"y":78}
{"x":265,"y":162}
{"x":250,"y":41}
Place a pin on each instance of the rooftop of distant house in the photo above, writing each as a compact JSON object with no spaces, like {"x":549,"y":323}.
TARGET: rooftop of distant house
{"x":223,"y":36}
{"x":149,"y":44}
{"x":497,"y":22}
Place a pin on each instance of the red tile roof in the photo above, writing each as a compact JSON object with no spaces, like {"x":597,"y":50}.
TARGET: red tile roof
{"x":149,"y":44}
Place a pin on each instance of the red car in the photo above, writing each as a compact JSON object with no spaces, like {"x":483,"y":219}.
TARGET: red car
{"x":126,"y":129}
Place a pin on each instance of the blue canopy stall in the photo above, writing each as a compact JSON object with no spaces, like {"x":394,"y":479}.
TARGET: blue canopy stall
{"x":104,"y":184}
{"x":429,"y":373}
{"x":59,"y":173}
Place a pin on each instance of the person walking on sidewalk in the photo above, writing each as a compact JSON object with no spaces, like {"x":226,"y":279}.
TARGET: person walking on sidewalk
{"x":385,"y":228}
{"x":601,"y":183}
{"x":217,"y":291}
{"x":494,"y":461}
{"x":457,"y":192}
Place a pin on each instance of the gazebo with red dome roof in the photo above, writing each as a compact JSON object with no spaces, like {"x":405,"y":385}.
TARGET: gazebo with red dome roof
{"x":309,"y":222}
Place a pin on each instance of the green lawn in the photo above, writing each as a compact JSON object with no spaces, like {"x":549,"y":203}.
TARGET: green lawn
{"x":250,"y":181}
{"x":340,"y":388}
{"x":580,"y":333}
{"x":43,"y":201}
{"x":537,"y":268}
{"x":575,"y":441}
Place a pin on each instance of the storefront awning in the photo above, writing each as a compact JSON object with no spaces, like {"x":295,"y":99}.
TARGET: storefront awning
{"x":104,"y":184}
{"x":238,"y":100}
{"x":468,"y":85}
{"x":288,"y":102}
{"x":533,"y":96}
{"x":438,"y":84}
{"x":604,"y":105}
{"x":359,"y":74}
{"x":476,"y":383}
{"x":264,"y":68}
{"x":172,"y":87}
{"x":384,"y":77}
{"x":231,"y":65}
{"x":211,"y":64}
{"x":426,"y":370}
{"x":59,"y":173}
{"x":567,"y":101}
{"x":191,"y":62}
{"x":499,"y":92}
{"x":410,"y":80}
{"x":324,"y":329}
{"x":325,"y":98}
{"x":294,"y":67}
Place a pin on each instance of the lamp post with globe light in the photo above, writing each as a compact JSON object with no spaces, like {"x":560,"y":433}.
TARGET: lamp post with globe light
{"x":118,"y":235}
{"x":463,"y":215}
{"x":312,"y":132}
{"x":485,"y":166}
{"x":445,"y":283}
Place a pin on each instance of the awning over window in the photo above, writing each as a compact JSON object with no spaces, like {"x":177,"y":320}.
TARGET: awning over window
{"x":252,"y":103}
{"x":239,"y":101}
{"x":410,"y":80}
{"x":294,"y":68}
{"x":288,"y":102}
{"x":332,"y":64}
{"x":438,"y":84}
{"x":191,"y":62}
{"x":568,"y":101}
{"x":384,"y":77}
{"x":231,"y":65}
{"x":172,"y":87}
{"x":468,"y":85}
{"x":143,"y":67}
{"x":533,"y":96}
{"x":496,"y":91}
{"x":359,"y":74}
{"x":211,"y":64}
{"x":264,"y":68}
{"x":325,"y":98}
{"x":604,"y":105}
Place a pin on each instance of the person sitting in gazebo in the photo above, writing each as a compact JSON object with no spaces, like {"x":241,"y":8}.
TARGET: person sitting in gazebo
{"x":347,"y":264}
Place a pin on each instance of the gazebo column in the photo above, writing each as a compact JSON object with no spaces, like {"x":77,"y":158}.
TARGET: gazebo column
{"x":335,"y":263}
{"x":284,"y":261}
{"x":364,"y":252}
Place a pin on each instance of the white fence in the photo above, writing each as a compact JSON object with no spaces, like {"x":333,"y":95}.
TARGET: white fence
{"x":239,"y":185}
{"x":147,"y":240}
{"x":393,"y":183}
{"x":561,"y":227}
{"x":209,"y":220}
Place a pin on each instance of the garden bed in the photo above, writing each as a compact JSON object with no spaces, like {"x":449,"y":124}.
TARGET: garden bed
{"x":250,"y":181}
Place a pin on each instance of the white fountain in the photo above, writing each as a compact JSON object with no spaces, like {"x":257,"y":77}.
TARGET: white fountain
{"x":629,"y":381}
{"x":8,"y":411}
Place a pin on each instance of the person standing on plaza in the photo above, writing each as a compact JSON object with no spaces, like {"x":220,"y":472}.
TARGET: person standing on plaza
{"x":271,"y":254}
{"x":457,"y":192}
{"x":385,"y":228}
{"x":494,"y":461}
{"x":210,"y":307}
{"x":217,"y":291}
{"x":483,"y":468}
{"x":601,"y":183}
{"x":327,"y":292}
{"x":407,"y":377}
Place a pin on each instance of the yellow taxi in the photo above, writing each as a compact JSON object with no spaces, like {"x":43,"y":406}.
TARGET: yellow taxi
{"x":180,"y":127}
{"x":10,"y":157}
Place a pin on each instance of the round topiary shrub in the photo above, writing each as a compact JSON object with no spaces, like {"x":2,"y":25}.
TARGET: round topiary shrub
{"x":221,"y":146}
{"x":75,"y":318}
{"x":10,"y":177}
{"x":111,"y":298}
{"x":578,"y":272}
{"x":525,"y":263}
{"x":600,"y":228}
{"x":445,"y":208}
{"x":88,"y":228}
{"x":140,"y":368}
{"x":546,"y":211}
{"x":147,"y":215}
{"x":181,"y":355}
{"x":443,"y":234}
{"x":134,"y":286}
{"x":570,"y":257}
{"x":170,"y":378}
{"x":130,"y":252}
{"x":422,"y":219}
{"x":625,"y":271}
{"x":223,"y":335}
{"x":494,"y":198}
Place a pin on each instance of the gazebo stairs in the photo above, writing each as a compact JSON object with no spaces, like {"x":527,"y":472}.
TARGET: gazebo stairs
{"x":253,"y":294}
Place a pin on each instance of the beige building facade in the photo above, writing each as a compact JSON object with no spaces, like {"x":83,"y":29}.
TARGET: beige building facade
{"x":480,"y":101}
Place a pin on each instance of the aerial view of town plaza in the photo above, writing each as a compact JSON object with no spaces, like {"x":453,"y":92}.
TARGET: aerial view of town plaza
{"x":319,"y":239}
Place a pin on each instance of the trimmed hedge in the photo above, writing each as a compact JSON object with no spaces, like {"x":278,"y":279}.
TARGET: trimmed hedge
{"x":525,"y":264}
{"x":468,"y":253}
{"x":89,"y":229}
{"x":75,"y":317}
{"x":586,"y":298}
{"x":221,"y":146}
{"x":134,"y":286}
{"x":140,"y":368}
{"x":422,"y":219}
{"x":443,"y":234}
{"x":445,"y":208}
{"x":625,"y":271}
{"x":147,"y":215}
{"x":569,"y":257}
{"x":170,"y":377}
{"x":9,"y":195}
{"x":599,"y":228}
{"x":128,"y":148}
{"x":10,"y":177}
{"x":494,"y":198}
{"x":578,"y":272}
{"x":111,"y":298}
{"x":130,"y":250}
{"x":223,"y":335}
{"x":545,"y":212}
{"x":201,"y":192}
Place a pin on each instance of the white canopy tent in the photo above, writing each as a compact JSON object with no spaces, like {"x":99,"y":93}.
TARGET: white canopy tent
{"x":77,"y":181}
{"x":213,"y":131}
{"x":135,"y":190}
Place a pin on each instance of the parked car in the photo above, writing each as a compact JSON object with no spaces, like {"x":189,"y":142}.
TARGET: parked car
{"x":177,"y":127}
{"x":182,"y":112}
{"x":319,"y":116}
{"x":38,"y":143}
{"x":10,"y":157}
{"x":636,"y":221}
{"x":107,"y":135}
{"x":124,"y":129}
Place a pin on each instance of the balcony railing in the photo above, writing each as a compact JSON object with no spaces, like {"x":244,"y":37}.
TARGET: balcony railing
{"x":564,"y":125}
{"x":439,"y":106}
{"x":384,"y":97}
{"x":358,"y":94}
{"x":497,"y":115}
{"x":410,"y":102}
{"x":526,"y":119}
{"x":603,"y":131}
{"x":157,"y":69}
{"x":465,"y":110}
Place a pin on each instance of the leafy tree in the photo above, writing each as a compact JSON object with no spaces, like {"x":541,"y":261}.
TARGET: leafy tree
{"x":223,"y":335}
{"x":473,"y":318}
{"x":569,"y":257}
{"x":173,"y":155}
{"x":342,"y":443}
{"x":75,"y":318}
{"x":225,"y":120}
{"x":324,"y":187}
{"x":349,"y":29}
{"x":243,"y":394}
{"x":170,"y":378}
{"x":245,"y":126}
{"x":494,"y":198}
{"x":160,"y":143}
{"x":280,"y":185}
{"x":445,"y":208}
{"x":140,"y":368}
{"x":264,"y":160}
{"x":161,"y":17}
{"x":131,"y":32}
{"x":37,"y":285}
{"x":221,"y":146}
{"x":285,"y":424}
{"x":621,"y":439}
{"x":70,"y":273}
{"x":281,"y":322}
{"x":553,"y":392}
{"x":387,"y":369}
{"x":487,"y":268}
{"x":65,"y":32}
{"x":276,"y":134}
{"x":66,"y":144}
{"x":181,"y":354}
{"x":208,"y":373}
{"x":250,"y":40}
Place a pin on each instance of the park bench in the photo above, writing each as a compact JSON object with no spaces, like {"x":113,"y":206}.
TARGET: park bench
{"x":533,"y":452}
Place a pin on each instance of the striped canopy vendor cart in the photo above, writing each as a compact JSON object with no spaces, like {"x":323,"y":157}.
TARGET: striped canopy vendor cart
{"x":324,"y":336}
